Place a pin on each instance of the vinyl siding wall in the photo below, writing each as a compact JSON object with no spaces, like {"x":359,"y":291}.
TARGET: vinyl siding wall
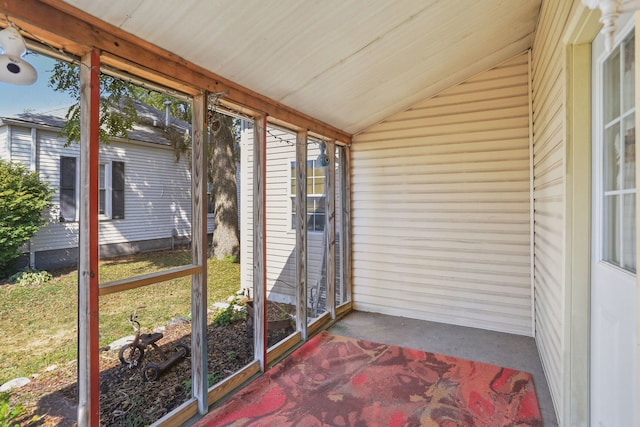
{"x":441,"y":207}
{"x":549,"y":111}
{"x":157,"y":191}
{"x":280,"y":237}
{"x":21,"y":145}
{"x":4,"y":143}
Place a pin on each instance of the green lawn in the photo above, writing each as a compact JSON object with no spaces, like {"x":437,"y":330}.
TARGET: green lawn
{"x":38,"y":324}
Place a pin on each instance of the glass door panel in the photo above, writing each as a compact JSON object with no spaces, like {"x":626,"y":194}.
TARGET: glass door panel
{"x":618,"y":158}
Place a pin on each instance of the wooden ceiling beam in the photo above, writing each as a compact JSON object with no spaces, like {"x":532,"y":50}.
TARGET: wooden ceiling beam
{"x":64,"y":26}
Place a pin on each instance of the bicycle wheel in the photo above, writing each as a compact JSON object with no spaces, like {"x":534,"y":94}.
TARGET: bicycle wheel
{"x":151,"y":372}
{"x":131,"y":355}
{"x":184,"y":348}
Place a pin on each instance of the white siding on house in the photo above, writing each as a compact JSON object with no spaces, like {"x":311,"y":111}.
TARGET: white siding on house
{"x":246,"y":209}
{"x":441,"y":207}
{"x":157,"y":194}
{"x":21,"y":145}
{"x":56,"y":235}
{"x":548,"y":82}
{"x":280,"y":237}
{"x":4,"y":143}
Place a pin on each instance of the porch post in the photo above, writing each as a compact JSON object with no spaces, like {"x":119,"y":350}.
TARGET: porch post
{"x":637,"y":125}
{"x":331,"y":229}
{"x":88,"y":363}
{"x":345,"y":162}
{"x":301,"y":232}
{"x":199,"y":254}
{"x":259,"y":240}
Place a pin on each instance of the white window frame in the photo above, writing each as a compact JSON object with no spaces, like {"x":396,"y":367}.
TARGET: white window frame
{"x":107,"y":191}
{"x":292,"y":196}
{"x":601,"y":126}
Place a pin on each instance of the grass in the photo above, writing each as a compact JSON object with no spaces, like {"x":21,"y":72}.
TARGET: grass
{"x":39,"y":323}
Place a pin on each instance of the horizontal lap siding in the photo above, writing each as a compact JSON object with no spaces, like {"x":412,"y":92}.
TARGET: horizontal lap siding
{"x":441,"y":207}
{"x":4,"y":143}
{"x":56,"y":234}
{"x":280,"y":237}
{"x":157,"y":194}
{"x":246,"y":206}
{"x":21,"y":145}
{"x":549,"y":199}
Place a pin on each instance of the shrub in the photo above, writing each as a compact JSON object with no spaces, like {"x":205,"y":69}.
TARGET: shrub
{"x":23,"y":197}
{"x":30,"y":277}
{"x":234,"y":312}
{"x":8,"y":414}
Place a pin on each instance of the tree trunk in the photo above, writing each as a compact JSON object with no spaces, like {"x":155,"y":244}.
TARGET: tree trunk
{"x":226,"y":236}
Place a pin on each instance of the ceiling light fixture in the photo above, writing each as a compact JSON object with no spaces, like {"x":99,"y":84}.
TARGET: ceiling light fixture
{"x":14,"y":69}
{"x":611,"y":10}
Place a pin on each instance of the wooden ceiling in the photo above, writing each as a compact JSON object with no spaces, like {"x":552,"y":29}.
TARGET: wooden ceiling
{"x":347,"y":63}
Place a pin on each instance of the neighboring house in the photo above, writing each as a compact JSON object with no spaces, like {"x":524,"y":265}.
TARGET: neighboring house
{"x":281,"y":220}
{"x":144,"y":195}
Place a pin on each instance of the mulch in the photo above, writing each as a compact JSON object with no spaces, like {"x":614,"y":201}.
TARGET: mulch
{"x":126,"y":399}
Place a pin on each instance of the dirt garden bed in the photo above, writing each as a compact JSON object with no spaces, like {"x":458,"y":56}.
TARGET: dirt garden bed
{"x":125,"y":398}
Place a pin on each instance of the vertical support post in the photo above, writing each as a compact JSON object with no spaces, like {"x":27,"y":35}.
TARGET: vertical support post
{"x":199,"y":253}
{"x":345,"y":161}
{"x":88,"y":363}
{"x":532,"y":222}
{"x":340,"y":228}
{"x":259,"y":240}
{"x":301,"y":232}
{"x":637,"y":124}
{"x":331,"y":229}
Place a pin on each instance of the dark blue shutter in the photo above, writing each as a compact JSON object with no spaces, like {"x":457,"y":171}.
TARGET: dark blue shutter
{"x":117,"y":190}
{"x":67,"y":189}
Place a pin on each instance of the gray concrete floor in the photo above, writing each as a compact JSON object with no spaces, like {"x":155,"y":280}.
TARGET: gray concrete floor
{"x":507,"y":350}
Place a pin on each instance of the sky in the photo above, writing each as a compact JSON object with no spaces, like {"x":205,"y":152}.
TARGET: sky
{"x":38,"y":97}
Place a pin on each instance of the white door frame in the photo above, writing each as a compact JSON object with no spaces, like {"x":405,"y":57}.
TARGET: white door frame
{"x":580,"y":31}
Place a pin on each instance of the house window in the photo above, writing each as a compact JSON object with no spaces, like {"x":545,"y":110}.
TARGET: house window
{"x":110,"y":190}
{"x":68,"y":178}
{"x":316,"y":195}
{"x":102,"y":189}
{"x":117,"y":190}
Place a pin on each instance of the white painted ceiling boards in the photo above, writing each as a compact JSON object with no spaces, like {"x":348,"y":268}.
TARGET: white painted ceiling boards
{"x":349,"y":63}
